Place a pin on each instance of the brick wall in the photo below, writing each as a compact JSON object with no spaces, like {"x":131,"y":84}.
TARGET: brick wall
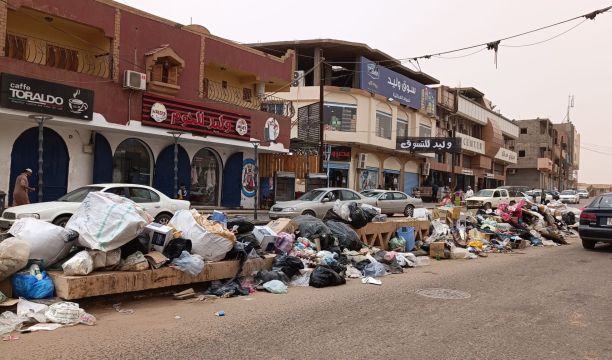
{"x":3,"y":17}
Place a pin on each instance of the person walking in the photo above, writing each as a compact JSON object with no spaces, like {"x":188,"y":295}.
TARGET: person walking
{"x":182,"y":192}
{"x":469,"y":193}
{"x":22,"y":188}
{"x":434,"y":192}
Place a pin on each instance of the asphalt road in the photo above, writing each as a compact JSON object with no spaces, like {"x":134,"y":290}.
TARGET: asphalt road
{"x":542,"y":303}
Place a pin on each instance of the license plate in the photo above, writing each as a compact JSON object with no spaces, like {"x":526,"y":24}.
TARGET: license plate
{"x":609,"y":222}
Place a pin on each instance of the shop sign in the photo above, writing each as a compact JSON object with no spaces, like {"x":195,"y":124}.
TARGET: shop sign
{"x":390,"y":84}
{"x":506,"y":155}
{"x":429,"y":144}
{"x":489,"y":175}
{"x":271,"y":130}
{"x":469,"y":172}
{"x":195,"y":118}
{"x":248,"y":178}
{"x":27,"y":94}
{"x":471,"y":143}
{"x":340,"y":153}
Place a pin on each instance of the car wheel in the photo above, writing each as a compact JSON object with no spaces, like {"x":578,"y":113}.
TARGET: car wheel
{"x":487,"y":206}
{"x":588,"y":244}
{"x":163,"y":218}
{"x":409,"y":211}
{"x":309,"y":212}
{"x":61,"y":221}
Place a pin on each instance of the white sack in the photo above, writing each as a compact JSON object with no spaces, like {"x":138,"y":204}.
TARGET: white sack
{"x":79,"y":264}
{"x":14,"y":255}
{"x":107,"y":221}
{"x":48,"y":242}
{"x":211,"y":246}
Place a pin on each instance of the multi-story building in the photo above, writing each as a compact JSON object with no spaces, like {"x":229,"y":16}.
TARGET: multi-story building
{"x":569,"y":163}
{"x":487,"y":140}
{"x":371,"y":101}
{"x":113,"y":87}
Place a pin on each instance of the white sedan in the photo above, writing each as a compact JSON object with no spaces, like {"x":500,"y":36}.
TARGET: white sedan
{"x":158,"y":205}
{"x":569,"y":196}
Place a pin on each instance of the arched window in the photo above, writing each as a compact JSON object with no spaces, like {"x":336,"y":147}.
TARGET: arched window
{"x":205,"y":170}
{"x":132,"y":163}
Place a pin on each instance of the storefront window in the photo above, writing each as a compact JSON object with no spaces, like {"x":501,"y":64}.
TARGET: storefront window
{"x":368,"y":179}
{"x":383,"y":125}
{"x":205,"y":169}
{"x":132,"y":163}
{"x":424,"y":130}
{"x":402,"y":127}
{"x":340,"y":117}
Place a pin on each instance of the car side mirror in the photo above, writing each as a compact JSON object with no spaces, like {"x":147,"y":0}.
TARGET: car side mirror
{"x":325,"y":200}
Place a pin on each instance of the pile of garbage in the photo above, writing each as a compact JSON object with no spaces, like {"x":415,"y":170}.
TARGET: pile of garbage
{"x":507,"y":228}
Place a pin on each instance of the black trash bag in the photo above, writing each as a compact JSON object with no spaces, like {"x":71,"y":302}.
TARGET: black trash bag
{"x":290,"y":265}
{"x":370,"y":213}
{"x":362,"y":264}
{"x":347,"y":237}
{"x":229,"y":289}
{"x":310,"y":227}
{"x":394,"y":267}
{"x":332,"y":215}
{"x":240,"y":251}
{"x":328,"y":242}
{"x":175,"y":247}
{"x":243,"y":226}
{"x":359,"y":218}
{"x":324,"y":276}
{"x":263,"y":276}
{"x":248,"y":238}
{"x":339,"y":268}
{"x":140,"y":243}
{"x":569,"y":218}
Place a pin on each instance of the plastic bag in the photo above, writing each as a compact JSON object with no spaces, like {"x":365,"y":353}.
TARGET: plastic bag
{"x":421,"y":213}
{"x":290,"y":265}
{"x":14,"y":255}
{"x":79,"y":264}
{"x":208,"y":239}
{"x":359,"y":218}
{"x":49,"y":243}
{"x":10,"y":322}
{"x":301,"y":279}
{"x":30,"y":286}
{"x":175,"y":248}
{"x":240,"y":225}
{"x":310,"y":227}
{"x":263,"y":276}
{"x":191,"y":264}
{"x":32,"y":310}
{"x":107,"y":221}
{"x":65,"y":313}
{"x":229,"y":289}
{"x":347,"y":237}
{"x":275,"y":287}
{"x":284,"y":242}
{"x":324,"y":276}
{"x":342,"y":210}
{"x":374,"y":269}
{"x":135,"y":262}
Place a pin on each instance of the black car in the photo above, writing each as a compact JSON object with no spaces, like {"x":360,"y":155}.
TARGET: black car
{"x":596,"y":222}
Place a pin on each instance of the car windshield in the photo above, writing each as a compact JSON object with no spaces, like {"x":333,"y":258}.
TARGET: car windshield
{"x":311,"y":195}
{"x":604,"y":202}
{"x":371,"y":194}
{"x":484,"y":193}
{"x":568,"y":192}
{"x":79,"y":194}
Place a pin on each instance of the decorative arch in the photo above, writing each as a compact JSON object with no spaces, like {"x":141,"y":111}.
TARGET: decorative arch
{"x":206,"y":170}
{"x":133,"y":162}
{"x":103,"y":160}
{"x":164,"y":171}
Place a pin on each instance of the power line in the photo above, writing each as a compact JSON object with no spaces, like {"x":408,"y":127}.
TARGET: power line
{"x":549,"y":39}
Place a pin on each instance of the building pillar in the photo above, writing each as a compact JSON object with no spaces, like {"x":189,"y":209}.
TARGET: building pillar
{"x":3,"y":26}
{"x":115,"y":44}
{"x":202,"y":70}
{"x":317,"y":73}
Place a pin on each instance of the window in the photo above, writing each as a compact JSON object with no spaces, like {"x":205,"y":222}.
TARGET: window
{"x":16,"y":47}
{"x":275,"y":108}
{"x":521,"y":153}
{"x":340,"y":117}
{"x":496,"y":194}
{"x":62,"y":58}
{"x":383,"y":125}
{"x":79,"y":194}
{"x":204,"y":178}
{"x":165,"y":70}
{"x":132,"y":163}
{"x":424,"y":130}
{"x":349,"y":195}
{"x":523,"y":130}
{"x":116,"y":190}
{"x":440,"y":157}
{"x":387,"y":196}
{"x":542,"y":152}
{"x":467,"y":161}
{"x":247,"y":94}
{"x":402,"y":128}
{"x":142,"y":195}
{"x":399,"y":196}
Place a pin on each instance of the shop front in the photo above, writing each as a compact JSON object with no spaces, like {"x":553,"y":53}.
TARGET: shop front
{"x":338,"y":166}
{"x":391,"y":173}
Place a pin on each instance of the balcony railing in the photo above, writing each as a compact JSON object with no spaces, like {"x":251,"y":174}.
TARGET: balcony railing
{"x":43,"y":52}
{"x":244,"y":97}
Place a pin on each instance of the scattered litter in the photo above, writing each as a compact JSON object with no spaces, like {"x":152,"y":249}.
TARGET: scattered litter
{"x":275,"y":287}
{"x":118,"y":308}
{"x":10,"y":338}
{"x":186,"y":294}
{"x":177,"y":317}
{"x":220,"y":313}
{"x":371,"y":280}
{"x":42,"y":327}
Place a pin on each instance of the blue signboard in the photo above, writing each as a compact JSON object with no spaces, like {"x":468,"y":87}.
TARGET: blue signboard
{"x":378,"y":79}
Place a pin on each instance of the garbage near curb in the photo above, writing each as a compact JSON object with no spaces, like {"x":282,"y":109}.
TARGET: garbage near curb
{"x":49,"y":243}
{"x":32,"y":283}
{"x":324,"y":276}
{"x":209,"y":239}
{"x":275,"y":287}
{"x":191,"y":264}
{"x":347,"y":237}
{"x":107,"y":221}
{"x":14,"y":255}
{"x":79,"y":264}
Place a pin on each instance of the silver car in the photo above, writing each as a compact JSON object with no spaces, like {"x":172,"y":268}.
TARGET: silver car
{"x":393,"y":202}
{"x":315,"y":202}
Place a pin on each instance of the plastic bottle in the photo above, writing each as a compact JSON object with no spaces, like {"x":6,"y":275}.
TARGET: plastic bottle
{"x":35,"y":271}
{"x":422,"y":261}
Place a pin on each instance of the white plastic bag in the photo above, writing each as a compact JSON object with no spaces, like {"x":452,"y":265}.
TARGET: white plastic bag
{"x":79,"y":264}
{"x":211,"y":246}
{"x":275,"y":287}
{"x":105,"y":259}
{"x":65,"y":313}
{"x":32,"y":310}
{"x":14,"y":255}
{"x":48,"y":242}
{"x":342,"y":210}
{"x":421,"y":213}
{"x":191,"y":264}
{"x":107,"y":221}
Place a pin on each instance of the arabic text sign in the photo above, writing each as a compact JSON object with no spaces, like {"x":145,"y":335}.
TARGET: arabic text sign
{"x":429,"y":144}
{"x":380,"y":80}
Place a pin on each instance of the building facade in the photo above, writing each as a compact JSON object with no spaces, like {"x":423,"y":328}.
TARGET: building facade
{"x":115,"y":87}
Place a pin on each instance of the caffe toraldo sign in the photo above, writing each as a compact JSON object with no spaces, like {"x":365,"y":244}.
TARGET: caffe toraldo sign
{"x":33,"y":95}
{"x":195,"y":118}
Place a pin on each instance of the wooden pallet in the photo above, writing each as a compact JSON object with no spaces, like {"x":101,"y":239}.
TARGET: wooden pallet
{"x":379,"y":234}
{"x":120,"y":282}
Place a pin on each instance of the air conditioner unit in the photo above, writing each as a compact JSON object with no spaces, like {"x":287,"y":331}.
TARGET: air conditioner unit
{"x":426,"y":169}
{"x":361,"y":161}
{"x":298,"y":78}
{"x":134,"y":80}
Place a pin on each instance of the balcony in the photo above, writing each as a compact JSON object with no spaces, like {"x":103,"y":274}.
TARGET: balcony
{"x":60,"y":56}
{"x":545,"y":164}
{"x":244,"y":97}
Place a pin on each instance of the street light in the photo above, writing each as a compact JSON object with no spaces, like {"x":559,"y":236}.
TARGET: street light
{"x":256,"y":143}
{"x":176,"y":134}
{"x":40,"y":119}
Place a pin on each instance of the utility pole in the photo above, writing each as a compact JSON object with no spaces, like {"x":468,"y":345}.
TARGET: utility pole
{"x":321,"y":117}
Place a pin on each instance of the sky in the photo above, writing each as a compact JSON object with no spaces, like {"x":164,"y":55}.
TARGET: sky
{"x":529,"y":82}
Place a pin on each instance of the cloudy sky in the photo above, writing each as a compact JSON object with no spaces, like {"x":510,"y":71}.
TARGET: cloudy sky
{"x":530,"y":81}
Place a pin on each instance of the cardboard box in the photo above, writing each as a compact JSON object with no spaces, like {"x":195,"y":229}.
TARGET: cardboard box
{"x":265,"y":236}
{"x":282,"y":225}
{"x":436,"y":250}
{"x":6,"y":287}
{"x":159,"y":236}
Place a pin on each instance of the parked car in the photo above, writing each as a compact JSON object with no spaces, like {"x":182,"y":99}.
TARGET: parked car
{"x":584,"y":194}
{"x":316,"y":203}
{"x":59,"y":211}
{"x":536,"y":195}
{"x":569,"y":196}
{"x":596,"y":222}
{"x":491,"y":198}
{"x":393,"y":202}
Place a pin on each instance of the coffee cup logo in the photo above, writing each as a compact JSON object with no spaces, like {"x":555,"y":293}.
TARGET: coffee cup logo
{"x":77,"y":106}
